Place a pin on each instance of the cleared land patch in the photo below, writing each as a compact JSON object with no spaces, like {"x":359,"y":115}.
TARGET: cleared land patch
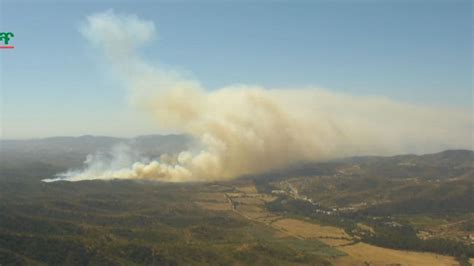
{"x":361,"y":253}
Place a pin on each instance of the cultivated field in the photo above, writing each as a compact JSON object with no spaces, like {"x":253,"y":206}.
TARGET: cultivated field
{"x":247,"y":202}
{"x":361,"y":253}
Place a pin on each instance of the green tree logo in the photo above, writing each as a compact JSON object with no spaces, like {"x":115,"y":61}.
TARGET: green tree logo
{"x":6,"y":36}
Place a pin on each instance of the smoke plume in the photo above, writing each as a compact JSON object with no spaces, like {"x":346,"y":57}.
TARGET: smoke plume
{"x":250,"y":129}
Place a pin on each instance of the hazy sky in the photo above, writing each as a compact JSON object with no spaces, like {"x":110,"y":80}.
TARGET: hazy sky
{"x":53,"y":83}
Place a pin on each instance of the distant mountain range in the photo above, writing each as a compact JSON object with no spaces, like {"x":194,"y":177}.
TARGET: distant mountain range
{"x":71,"y":151}
{"x":442,"y":165}
{"x":88,"y":143}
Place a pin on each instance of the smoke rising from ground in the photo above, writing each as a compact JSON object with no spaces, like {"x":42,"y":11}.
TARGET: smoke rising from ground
{"x":250,"y":129}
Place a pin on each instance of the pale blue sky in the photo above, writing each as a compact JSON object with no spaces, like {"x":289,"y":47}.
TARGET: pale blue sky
{"x":411,"y":51}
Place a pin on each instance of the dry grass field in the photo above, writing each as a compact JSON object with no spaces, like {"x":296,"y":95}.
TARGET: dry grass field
{"x":361,"y":253}
{"x":213,"y":201}
{"x":310,"y":230}
{"x":214,"y":206}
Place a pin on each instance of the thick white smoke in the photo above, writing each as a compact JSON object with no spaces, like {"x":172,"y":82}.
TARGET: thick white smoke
{"x":250,"y":129}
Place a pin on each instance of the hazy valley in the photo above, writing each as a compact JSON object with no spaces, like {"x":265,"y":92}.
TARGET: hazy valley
{"x":407,"y":209}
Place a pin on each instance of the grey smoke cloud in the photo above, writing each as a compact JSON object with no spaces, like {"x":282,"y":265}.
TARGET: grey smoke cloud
{"x":251,"y":129}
